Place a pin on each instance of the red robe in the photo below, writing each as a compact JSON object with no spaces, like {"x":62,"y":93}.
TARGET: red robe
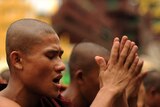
{"x":49,"y":102}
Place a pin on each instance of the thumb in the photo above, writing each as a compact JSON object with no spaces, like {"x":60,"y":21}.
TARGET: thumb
{"x":101,"y":63}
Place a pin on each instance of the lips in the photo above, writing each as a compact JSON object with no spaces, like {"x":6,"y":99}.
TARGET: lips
{"x":57,"y":78}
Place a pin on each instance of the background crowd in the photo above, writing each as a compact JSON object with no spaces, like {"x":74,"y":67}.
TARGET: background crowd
{"x":97,"y":21}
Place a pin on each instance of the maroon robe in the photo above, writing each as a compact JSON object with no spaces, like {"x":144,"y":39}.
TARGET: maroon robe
{"x":49,"y":102}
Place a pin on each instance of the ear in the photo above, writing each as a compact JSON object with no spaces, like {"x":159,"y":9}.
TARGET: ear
{"x":79,"y":75}
{"x":16,"y":59}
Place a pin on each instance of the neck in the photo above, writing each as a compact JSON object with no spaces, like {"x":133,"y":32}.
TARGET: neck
{"x":20,"y":95}
{"x":73,"y":94}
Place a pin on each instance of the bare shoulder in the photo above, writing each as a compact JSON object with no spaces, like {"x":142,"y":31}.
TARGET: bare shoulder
{"x":5,"y":102}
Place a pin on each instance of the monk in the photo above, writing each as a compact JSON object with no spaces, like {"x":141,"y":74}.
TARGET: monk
{"x":33,"y":54}
{"x":84,"y":73}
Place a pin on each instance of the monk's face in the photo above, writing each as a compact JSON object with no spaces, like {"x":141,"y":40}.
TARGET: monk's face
{"x":42,"y":67}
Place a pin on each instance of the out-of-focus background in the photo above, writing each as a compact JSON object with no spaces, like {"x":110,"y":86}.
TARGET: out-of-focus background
{"x":97,"y":21}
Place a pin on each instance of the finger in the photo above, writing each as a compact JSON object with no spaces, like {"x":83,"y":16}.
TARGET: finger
{"x":114,"y":52}
{"x":101,"y":63}
{"x":124,"y":53}
{"x":138,"y":68}
{"x":123,"y":41}
{"x":116,"y":39}
{"x":138,"y":82}
{"x":134,"y":64}
{"x":131,"y":57}
{"x":132,"y":44}
{"x":141,"y":76}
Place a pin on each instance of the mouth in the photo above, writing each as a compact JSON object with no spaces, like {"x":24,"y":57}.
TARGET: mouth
{"x":56,"y":80}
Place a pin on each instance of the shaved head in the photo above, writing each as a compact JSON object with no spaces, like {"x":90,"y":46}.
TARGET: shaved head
{"x":82,"y":57}
{"x":152,"y":80}
{"x":23,"y":34}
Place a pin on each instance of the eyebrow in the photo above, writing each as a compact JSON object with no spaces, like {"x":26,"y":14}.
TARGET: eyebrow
{"x":56,"y":51}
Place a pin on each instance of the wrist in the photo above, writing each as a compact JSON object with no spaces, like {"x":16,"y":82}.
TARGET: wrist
{"x":112,"y":90}
{"x":106,"y":97}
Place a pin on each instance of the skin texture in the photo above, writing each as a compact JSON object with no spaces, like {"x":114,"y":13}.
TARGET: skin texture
{"x":133,"y":87}
{"x":84,"y":73}
{"x":84,"y":87}
{"x":4,"y":102}
{"x":119,"y":71}
{"x":32,"y":69}
{"x":34,"y":57}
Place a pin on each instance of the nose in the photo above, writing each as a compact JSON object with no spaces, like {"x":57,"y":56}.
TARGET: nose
{"x":60,"y":67}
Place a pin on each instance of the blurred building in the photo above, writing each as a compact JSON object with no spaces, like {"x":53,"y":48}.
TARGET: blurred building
{"x":97,"y":20}
{"x":100,"y":21}
{"x":10,"y":11}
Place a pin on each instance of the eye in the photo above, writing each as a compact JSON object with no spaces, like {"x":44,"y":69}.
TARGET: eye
{"x":52,"y":55}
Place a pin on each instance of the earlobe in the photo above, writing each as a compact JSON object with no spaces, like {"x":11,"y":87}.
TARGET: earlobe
{"x":16,"y":59}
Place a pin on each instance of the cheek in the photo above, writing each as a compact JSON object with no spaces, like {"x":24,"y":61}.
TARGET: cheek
{"x":43,"y":66}
{"x":92,"y":88}
{"x":39,"y":71}
{"x":93,"y":83}
{"x":96,"y":86}
{"x":95,"y":80}
{"x":44,"y":72}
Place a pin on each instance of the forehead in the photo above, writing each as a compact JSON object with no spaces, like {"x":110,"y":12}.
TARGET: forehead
{"x":50,"y":38}
{"x":48,"y":42}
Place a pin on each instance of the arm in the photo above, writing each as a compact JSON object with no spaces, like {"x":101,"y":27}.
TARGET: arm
{"x":116,"y":75}
{"x":105,"y":97}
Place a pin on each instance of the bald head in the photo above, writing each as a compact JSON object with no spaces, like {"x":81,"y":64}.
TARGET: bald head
{"x":24,"y":33}
{"x":152,"y":80}
{"x":82,"y":57}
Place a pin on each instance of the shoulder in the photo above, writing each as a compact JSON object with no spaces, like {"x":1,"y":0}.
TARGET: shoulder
{"x":5,"y":102}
